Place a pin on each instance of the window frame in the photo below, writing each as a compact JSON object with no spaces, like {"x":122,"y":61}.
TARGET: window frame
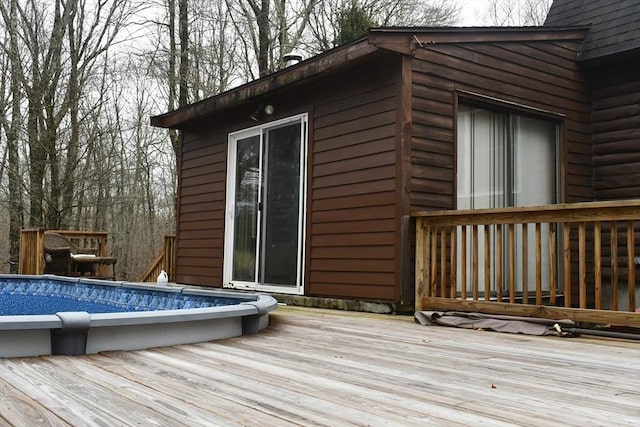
{"x":474,"y":99}
{"x":232,"y":139}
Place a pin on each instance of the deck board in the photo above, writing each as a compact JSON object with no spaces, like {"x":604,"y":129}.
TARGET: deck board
{"x":322,"y":367}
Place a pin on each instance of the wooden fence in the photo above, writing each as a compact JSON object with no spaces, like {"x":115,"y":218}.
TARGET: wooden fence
{"x":165,"y":260}
{"x":569,"y":261}
{"x":32,"y":246}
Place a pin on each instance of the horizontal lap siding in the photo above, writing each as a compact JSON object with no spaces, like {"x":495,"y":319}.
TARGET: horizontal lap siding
{"x":541,"y":75}
{"x":352,"y":219}
{"x":201,"y":208}
{"x":616,"y":127}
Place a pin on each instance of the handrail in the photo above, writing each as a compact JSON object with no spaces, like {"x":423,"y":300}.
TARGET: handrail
{"x":165,"y":260}
{"x":570,"y":257}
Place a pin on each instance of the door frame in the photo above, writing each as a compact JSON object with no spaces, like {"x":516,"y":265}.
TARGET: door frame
{"x":229,"y":228}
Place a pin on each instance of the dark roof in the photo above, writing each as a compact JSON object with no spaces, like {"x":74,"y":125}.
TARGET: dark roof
{"x":615,"y":25}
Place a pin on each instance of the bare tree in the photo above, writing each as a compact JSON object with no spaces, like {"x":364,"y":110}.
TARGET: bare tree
{"x":269,"y":30}
{"x":511,"y":13}
{"x":183,"y":72}
{"x":213,"y":65}
{"x":327,"y":19}
{"x":63,"y":45}
{"x":11,"y":129}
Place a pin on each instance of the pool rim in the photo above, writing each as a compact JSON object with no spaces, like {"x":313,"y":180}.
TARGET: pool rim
{"x":169,"y":327}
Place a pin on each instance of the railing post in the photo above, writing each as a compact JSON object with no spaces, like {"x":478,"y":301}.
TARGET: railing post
{"x":631,"y":268}
{"x":170,"y":256}
{"x":31,"y":252}
{"x":420,"y":264}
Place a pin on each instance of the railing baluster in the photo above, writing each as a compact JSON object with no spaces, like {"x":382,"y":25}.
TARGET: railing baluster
{"x":454,"y":264}
{"x":631,"y":268}
{"x":566,"y":227}
{"x":463,"y":263}
{"x":538,"y":264}
{"x":434,"y":262}
{"x":553,"y":284}
{"x":597,"y":261}
{"x":474,"y":266}
{"x":512,"y":264}
{"x":499,"y":262}
{"x":487,"y":264}
{"x":525,"y":263}
{"x":443,"y":262}
{"x":614,"y":266}
{"x":582,"y":264}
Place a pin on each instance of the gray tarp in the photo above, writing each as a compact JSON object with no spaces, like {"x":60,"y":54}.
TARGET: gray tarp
{"x":494,"y":322}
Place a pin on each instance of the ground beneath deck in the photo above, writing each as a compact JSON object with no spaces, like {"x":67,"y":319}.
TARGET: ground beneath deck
{"x":333,"y":368}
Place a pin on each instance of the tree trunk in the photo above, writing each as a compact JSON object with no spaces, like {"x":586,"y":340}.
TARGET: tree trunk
{"x":37,"y":161}
{"x":183,"y":77}
{"x":264,"y":47}
{"x":69,"y":175}
{"x":16,"y":205}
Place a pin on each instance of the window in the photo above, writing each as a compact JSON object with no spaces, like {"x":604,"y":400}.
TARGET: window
{"x":504,"y":160}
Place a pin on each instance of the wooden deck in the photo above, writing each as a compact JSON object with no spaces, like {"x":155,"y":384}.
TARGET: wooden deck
{"x":320,"y":367}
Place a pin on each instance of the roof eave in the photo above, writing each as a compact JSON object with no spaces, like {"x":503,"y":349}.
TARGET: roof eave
{"x":397,"y":39}
{"x":304,"y":70}
{"x":405,"y":40}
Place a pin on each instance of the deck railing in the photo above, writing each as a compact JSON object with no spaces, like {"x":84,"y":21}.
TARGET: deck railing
{"x":575,"y":261}
{"x":165,"y":260}
{"x":31,"y":259}
{"x":32,"y":246}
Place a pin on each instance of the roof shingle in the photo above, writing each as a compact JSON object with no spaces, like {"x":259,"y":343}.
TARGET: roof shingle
{"x":615,"y":25}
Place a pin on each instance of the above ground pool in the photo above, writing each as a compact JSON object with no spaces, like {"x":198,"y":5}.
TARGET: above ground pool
{"x":42,"y":315}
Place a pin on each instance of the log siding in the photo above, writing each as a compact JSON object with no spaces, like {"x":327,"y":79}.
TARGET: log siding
{"x":616,"y":128}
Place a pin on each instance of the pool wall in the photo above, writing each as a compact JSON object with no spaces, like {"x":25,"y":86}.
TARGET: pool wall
{"x":79,"y":332}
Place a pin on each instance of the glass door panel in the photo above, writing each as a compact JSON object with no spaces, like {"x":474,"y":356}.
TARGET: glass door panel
{"x":245,"y":233}
{"x":281,"y":206}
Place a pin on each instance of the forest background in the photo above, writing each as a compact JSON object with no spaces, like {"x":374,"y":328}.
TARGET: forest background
{"x":79,"y":80}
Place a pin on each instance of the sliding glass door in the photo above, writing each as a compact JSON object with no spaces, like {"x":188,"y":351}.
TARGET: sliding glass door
{"x":264,"y":232}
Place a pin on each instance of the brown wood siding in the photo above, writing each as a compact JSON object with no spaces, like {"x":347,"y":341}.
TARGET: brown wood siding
{"x":540,"y":75}
{"x":352,"y":205}
{"x":616,"y":128}
{"x":201,"y":208}
{"x":352,"y":201}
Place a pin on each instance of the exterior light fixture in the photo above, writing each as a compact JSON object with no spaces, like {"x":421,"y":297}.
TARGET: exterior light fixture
{"x":261,"y":112}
